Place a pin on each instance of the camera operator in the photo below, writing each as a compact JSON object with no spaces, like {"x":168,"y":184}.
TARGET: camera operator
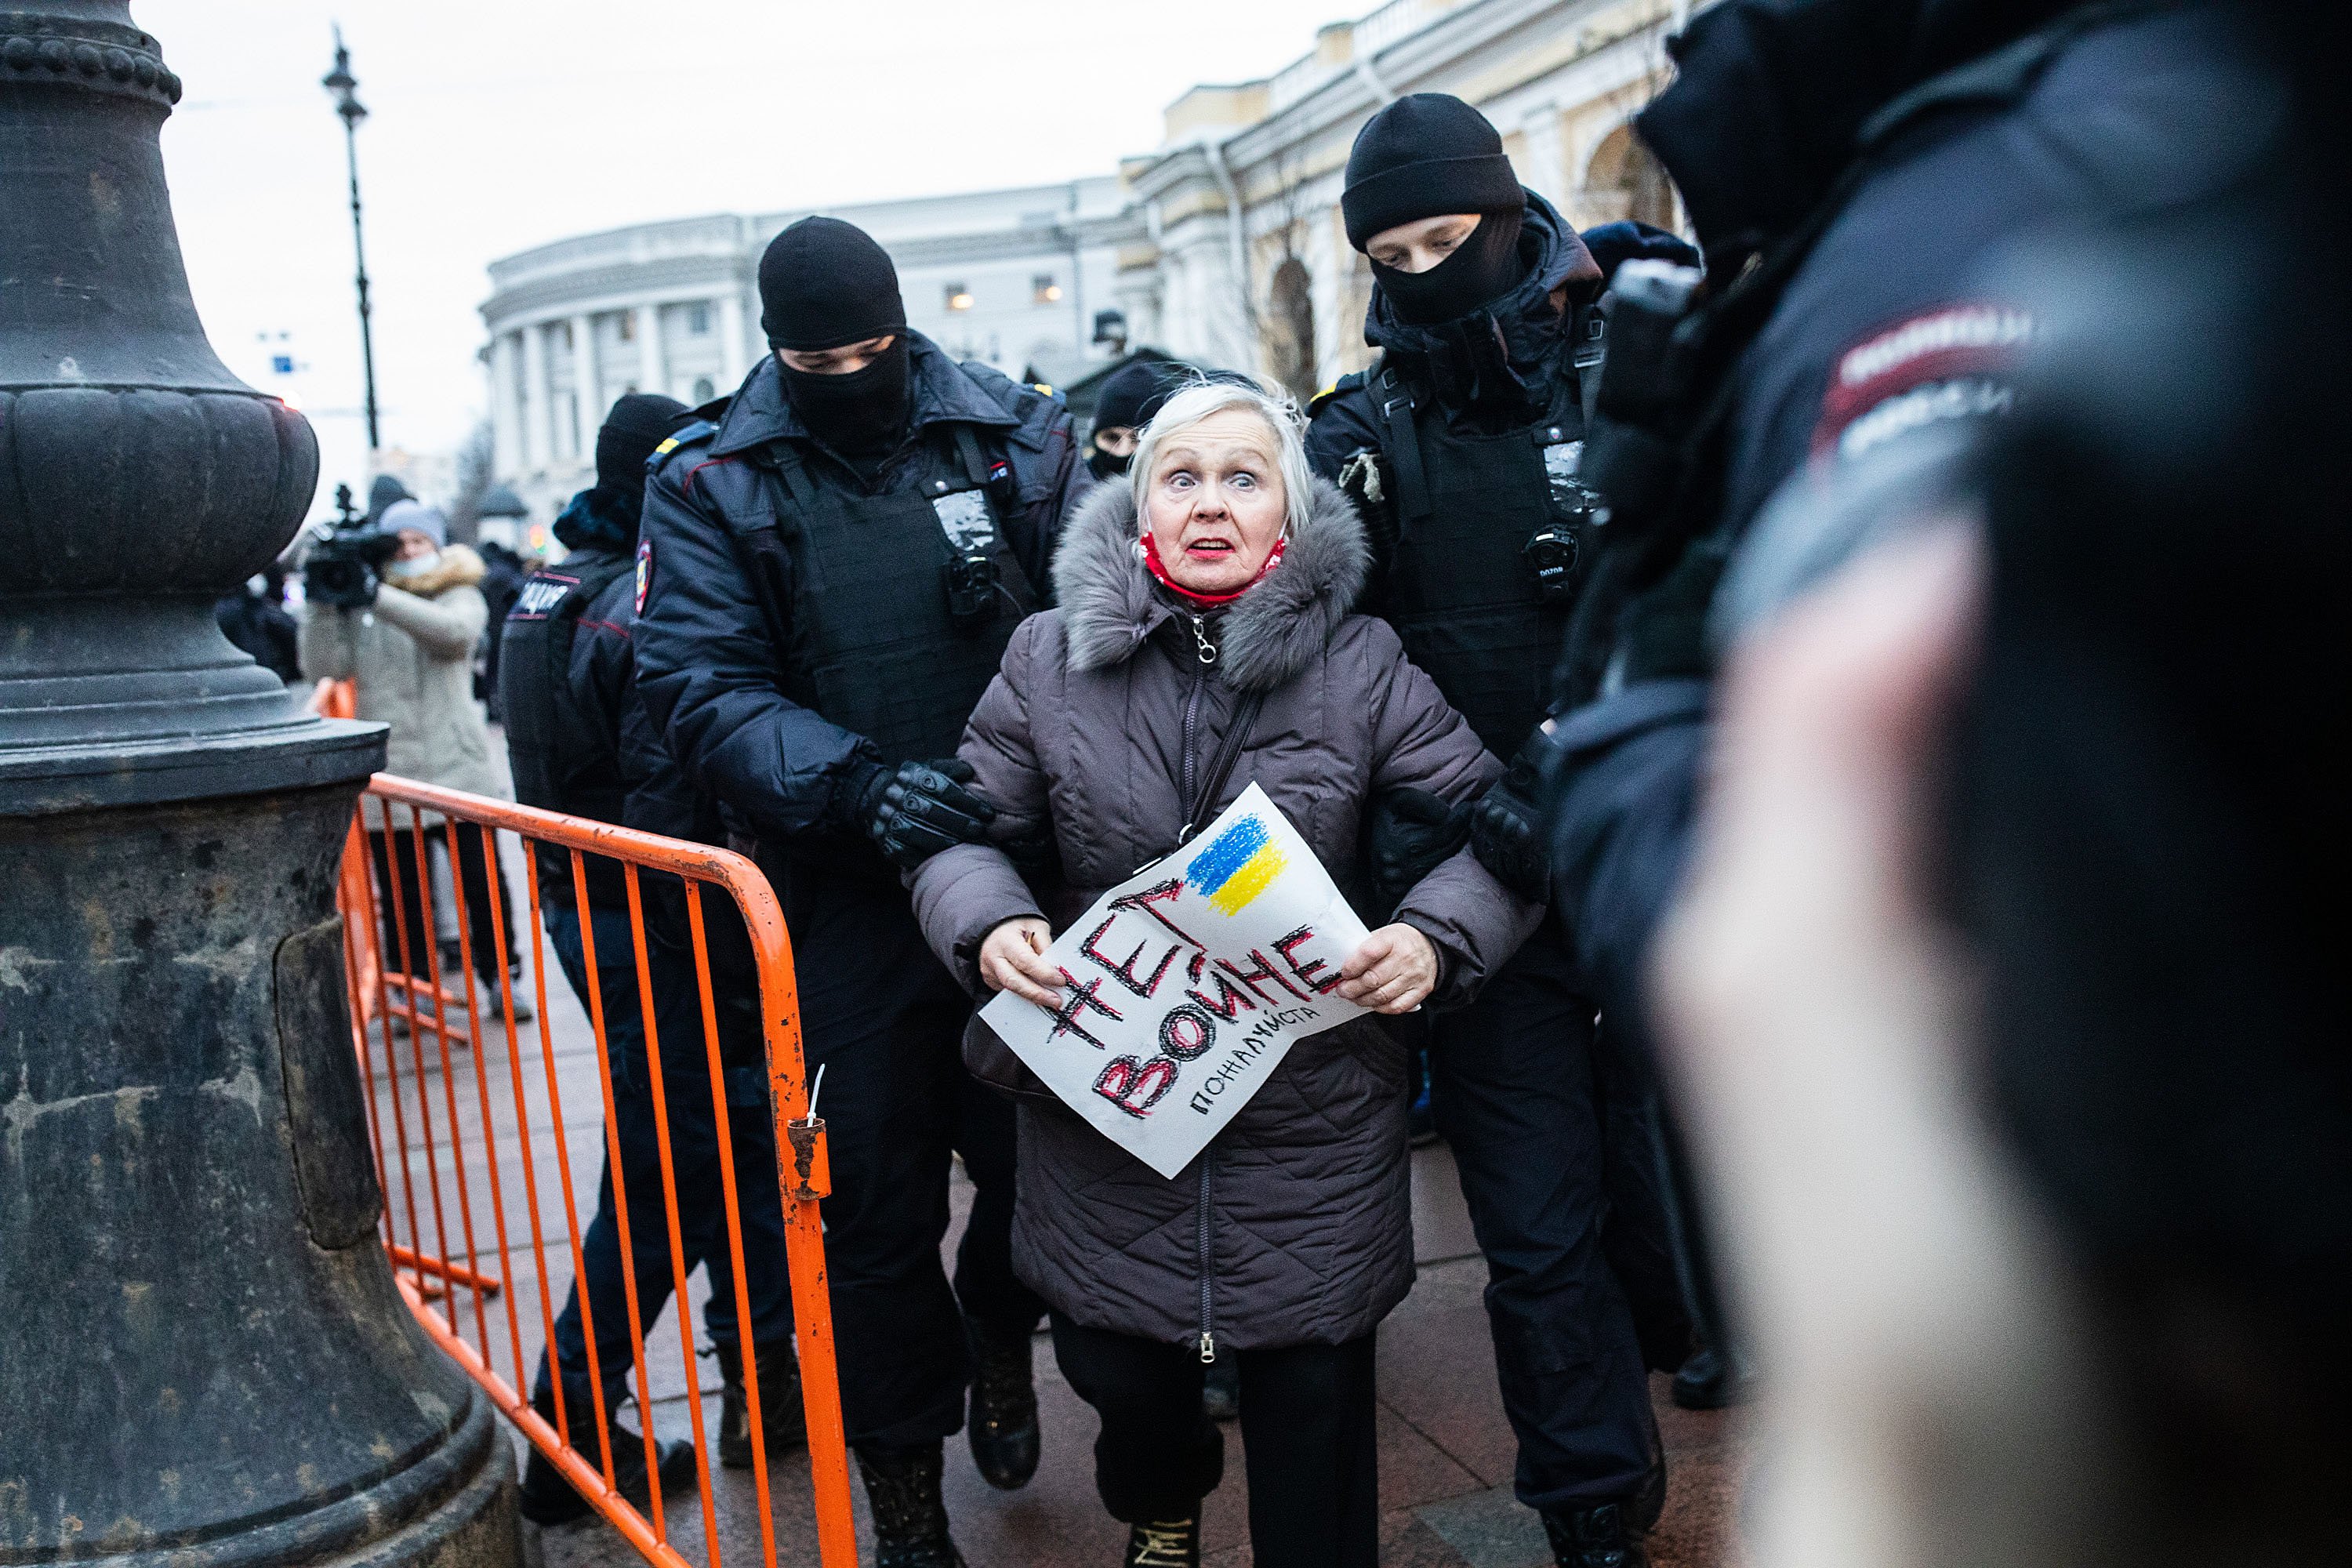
{"x":1460,"y":446}
{"x":403,"y":634}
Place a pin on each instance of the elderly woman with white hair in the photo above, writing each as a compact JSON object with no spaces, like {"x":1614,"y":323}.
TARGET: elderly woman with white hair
{"x":1204,"y":641}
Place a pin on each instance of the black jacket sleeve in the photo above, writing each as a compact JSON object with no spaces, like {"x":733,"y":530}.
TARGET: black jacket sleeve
{"x":1622,"y":805}
{"x":708,"y":670}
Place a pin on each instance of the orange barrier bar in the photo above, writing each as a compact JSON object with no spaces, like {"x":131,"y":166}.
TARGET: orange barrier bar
{"x":470,"y":1143}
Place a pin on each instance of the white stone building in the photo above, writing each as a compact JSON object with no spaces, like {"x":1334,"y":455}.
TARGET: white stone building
{"x":1012,"y":277}
{"x":1018,"y":277}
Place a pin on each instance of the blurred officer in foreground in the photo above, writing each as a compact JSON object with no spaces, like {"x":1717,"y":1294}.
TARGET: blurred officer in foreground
{"x":1847,"y":328}
{"x":2008,"y":984}
{"x":581,"y":745}
{"x":1846,"y":314}
{"x":1460,"y":447}
{"x":832,"y":568}
{"x":1130,"y":395}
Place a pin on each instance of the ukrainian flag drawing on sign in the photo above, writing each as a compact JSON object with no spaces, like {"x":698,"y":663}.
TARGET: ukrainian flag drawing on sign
{"x":1238,"y":865}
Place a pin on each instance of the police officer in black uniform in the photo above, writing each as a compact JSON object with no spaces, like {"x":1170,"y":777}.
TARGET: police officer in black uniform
{"x":1850,"y":170}
{"x":1130,"y":395}
{"x":834,"y":562}
{"x":1845,"y":313}
{"x":1461,"y":446}
{"x":579,"y":744}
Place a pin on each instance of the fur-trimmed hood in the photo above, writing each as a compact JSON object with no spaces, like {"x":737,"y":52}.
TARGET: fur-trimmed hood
{"x":1270,"y":635}
{"x":459,"y":568}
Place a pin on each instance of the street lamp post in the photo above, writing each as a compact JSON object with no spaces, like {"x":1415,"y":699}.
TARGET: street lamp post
{"x":204,"y":1358}
{"x":345,"y":86}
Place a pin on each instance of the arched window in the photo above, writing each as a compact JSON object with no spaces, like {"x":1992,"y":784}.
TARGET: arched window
{"x":703,"y":391}
{"x":1623,"y":179}
{"x":1290,"y":328}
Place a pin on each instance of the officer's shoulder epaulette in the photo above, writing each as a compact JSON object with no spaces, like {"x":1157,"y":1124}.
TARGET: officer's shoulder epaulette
{"x":1035,"y":406}
{"x":1339,"y":388}
{"x":688,"y":435}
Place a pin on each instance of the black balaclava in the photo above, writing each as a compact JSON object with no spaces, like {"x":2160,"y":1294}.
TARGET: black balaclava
{"x":632,"y":430}
{"x":1130,"y":395}
{"x":825,"y":284}
{"x":1424,"y":156}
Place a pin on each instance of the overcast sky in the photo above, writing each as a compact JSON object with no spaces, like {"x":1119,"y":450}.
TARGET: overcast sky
{"x":497,"y":124}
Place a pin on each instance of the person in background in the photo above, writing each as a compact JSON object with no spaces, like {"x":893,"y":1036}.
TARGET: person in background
{"x":580,"y":744}
{"x":1462,"y":443}
{"x":1130,"y":395}
{"x":409,"y":655}
{"x":502,"y":578}
{"x":832,"y":570}
{"x":1205,"y":641}
{"x":383,"y":491}
{"x":254,"y":619}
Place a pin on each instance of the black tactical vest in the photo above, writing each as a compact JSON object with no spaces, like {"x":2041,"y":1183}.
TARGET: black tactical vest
{"x":543,"y":725}
{"x":1462,"y":591}
{"x":900,"y":605}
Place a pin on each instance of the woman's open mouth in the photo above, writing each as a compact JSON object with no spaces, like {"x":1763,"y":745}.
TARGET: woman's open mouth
{"x":1210,"y":547}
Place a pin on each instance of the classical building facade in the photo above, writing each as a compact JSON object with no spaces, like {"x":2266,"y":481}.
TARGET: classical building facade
{"x":1012,"y":276}
{"x":1019,"y":278}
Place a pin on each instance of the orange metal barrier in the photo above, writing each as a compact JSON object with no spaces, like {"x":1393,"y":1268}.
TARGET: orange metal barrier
{"x":440,"y":1140}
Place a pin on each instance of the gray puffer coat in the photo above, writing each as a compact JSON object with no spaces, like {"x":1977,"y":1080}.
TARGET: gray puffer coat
{"x":1293,"y":1225}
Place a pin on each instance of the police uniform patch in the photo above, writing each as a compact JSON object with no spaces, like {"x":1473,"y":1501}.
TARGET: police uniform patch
{"x":1952,"y":362}
{"x":645,"y":571}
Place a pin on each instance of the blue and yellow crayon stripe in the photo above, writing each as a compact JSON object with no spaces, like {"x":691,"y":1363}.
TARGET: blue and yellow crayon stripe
{"x":1237,"y":865}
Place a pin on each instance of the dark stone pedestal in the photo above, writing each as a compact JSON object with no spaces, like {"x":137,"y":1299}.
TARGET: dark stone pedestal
{"x":201,"y":1346}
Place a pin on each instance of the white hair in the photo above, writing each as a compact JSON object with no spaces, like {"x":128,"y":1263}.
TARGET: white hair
{"x":1203,"y":399}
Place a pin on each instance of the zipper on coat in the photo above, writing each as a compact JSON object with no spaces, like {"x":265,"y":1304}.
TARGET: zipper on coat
{"x":1208,"y":1277}
{"x":1206,"y":652}
{"x":1184,"y":748}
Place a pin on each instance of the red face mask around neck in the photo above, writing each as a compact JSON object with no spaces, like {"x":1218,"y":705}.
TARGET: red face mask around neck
{"x":1152,"y":564}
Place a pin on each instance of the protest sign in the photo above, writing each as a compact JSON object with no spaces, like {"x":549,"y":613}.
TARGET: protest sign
{"x":1188,"y":984}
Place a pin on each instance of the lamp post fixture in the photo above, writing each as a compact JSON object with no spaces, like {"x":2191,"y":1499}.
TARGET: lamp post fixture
{"x":345,"y":87}
{"x":204,"y":1358}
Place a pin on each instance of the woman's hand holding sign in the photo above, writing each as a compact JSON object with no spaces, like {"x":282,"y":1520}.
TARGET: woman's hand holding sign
{"x":1012,"y":958}
{"x":1389,"y":972}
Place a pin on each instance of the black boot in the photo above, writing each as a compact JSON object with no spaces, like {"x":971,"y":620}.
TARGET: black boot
{"x":546,"y":1498}
{"x":1708,"y":1380}
{"x":784,"y":1424}
{"x":1221,"y":1390}
{"x":1172,"y":1543}
{"x":1003,"y":1422}
{"x":910,"y":1522}
{"x":1594,"y":1538}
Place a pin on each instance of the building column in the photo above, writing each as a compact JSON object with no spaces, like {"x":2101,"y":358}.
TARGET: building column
{"x":505,"y":406}
{"x":733,"y":360}
{"x":1547,"y":168}
{"x":537,"y":429}
{"x":652,"y":374}
{"x":587,"y":391}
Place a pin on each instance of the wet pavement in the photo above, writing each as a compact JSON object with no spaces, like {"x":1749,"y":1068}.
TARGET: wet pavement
{"x":1446,"y":1451}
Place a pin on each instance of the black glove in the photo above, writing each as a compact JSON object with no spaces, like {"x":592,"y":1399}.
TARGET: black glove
{"x":1413,"y":832}
{"x":921,"y":808}
{"x":1507,"y":827}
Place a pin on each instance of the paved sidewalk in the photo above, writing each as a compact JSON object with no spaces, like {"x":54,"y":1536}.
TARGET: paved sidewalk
{"x":1445,"y":1453}
{"x":1445,"y":1449}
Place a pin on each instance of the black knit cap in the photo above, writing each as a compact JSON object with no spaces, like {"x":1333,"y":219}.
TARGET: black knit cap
{"x":632,"y":430}
{"x":824,"y":283}
{"x":1133,"y":392}
{"x":1424,"y":155}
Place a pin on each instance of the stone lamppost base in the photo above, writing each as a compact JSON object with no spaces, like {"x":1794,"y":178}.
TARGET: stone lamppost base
{"x":203,"y":1356}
